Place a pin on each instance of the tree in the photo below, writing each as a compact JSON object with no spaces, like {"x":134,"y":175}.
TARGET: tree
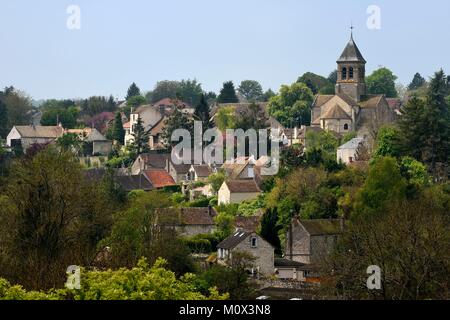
{"x":292,"y":106}
{"x":164,"y":89}
{"x":52,"y":217}
{"x":177,"y":120}
{"x":136,"y":101}
{"x":216,"y":180}
{"x":118,"y":132}
{"x":412,"y":128}
{"x":417,"y":82}
{"x":387,"y":143}
{"x":268,"y":94}
{"x":436,"y":122}
{"x":383,"y":186}
{"x":227,"y":93}
{"x":69,"y":142}
{"x":382,"y":81}
{"x":251,"y":90}
{"x":201,"y":112}
{"x":226,"y":118}
{"x":18,"y":107}
{"x":190,"y":91}
{"x":139,"y":231}
{"x":4,"y":129}
{"x":66,"y":117}
{"x":409,"y":240}
{"x":140,"y":138}
{"x":133,"y":91}
{"x":270,"y":228}
{"x":251,"y":117}
{"x":332,"y":77}
{"x":142,"y":282}
{"x":314,"y":81}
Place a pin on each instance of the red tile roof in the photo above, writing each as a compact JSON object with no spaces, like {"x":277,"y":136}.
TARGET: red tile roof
{"x":159,"y":178}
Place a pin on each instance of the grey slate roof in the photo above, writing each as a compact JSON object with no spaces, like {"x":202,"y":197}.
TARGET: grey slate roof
{"x":320,"y":227}
{"x":352,"y":144}
{"x":233,"y":240}
{"x":134,"y":182}
{"x":351,"y":53}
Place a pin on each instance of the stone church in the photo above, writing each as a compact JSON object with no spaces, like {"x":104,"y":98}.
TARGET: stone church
{"x":351,"y":108}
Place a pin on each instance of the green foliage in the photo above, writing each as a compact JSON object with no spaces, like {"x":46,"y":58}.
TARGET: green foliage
{"x":232,"y":280}
{"x":95,"y":105}
{"x":225,"y":118}
{"x":202,"y":113}
{"x":252,"y":117}
{"x":268,"y":94}
{"x":118,"y":132}
{"x":4,"y":129}
{"x":139,"y":283}
{"x":409,"y":240}
{"x":133,"y":91}
{"x":251,"y":90}
{"x":387,"y":143}
{"x":18,"y":107}
{"x":136,"y":101}
{"x":417,"y":82}
{"x":382,"y":81}
{"x":216,"y":180}
{"x":384,"y":185}
{"x":225,"y":224}
{"x":227,"y":93}
{"x":51,"y":218}
{"x":292,"y":106}
{"x":177,"y":120}
{"x":315,"y":82}
{"x":252,"y":207}
{"x":69,"y":142}
{"x":140,"y":138}
{"x":414,"y":172}
{"x":67,"y":117}
{"x":270,"y":228}
{"x":190,"y":91}
{"x":163,"y":89}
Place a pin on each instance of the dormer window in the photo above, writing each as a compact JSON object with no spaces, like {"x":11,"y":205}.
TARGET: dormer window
{"x":350,"y":73}
{"x":344,"y":73}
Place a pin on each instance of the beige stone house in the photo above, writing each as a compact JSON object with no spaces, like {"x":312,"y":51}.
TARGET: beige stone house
{"x":151,"y":161}
{"x":309,"y":241}
{"x":346,"y":153}
{"x":236,"y":191}
{"x":252,"y":244}
{"x":188,"y":222}
{"x":26,"y":136}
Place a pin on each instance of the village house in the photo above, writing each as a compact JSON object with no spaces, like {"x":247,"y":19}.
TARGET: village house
{"x":252,"y":244}
{"x":159,"y":178}
{"x":151,"y":161}
{"x":236,"y":191}
{"x":351,"y":108}
{"x":199,"y":172}
{"x":286,"y":269}
{"x":129,"y":183}
{"x":179,"y":172}
{"x":153,"y":116}
{"x":25,"y":136}
{"x":188,"y":222}
{"x":346,"y":153}
{"x":99,"y":144}
{"x":309,"y":241}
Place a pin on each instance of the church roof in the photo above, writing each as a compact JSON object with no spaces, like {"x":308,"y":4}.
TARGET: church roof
{"x":351,"y":53}
{"x":371,"y":101}
{"x":335,"y":112}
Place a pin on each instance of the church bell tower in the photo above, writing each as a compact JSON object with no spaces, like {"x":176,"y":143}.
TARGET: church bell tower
{"x":351,"y":72}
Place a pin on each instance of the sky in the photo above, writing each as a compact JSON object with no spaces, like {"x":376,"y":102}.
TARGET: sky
{"x":272,"y":41}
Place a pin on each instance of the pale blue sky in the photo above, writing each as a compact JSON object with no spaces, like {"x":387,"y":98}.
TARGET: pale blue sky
{"x":272,"y":41}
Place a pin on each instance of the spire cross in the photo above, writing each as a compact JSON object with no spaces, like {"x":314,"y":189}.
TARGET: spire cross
{"x":351,"y":29}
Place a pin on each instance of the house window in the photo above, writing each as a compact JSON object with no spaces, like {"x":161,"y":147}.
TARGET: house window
{"x":254,"y":241}
{"x":350,"y":73}
{"x":346,"y":126}
{"x":344,"y":73}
